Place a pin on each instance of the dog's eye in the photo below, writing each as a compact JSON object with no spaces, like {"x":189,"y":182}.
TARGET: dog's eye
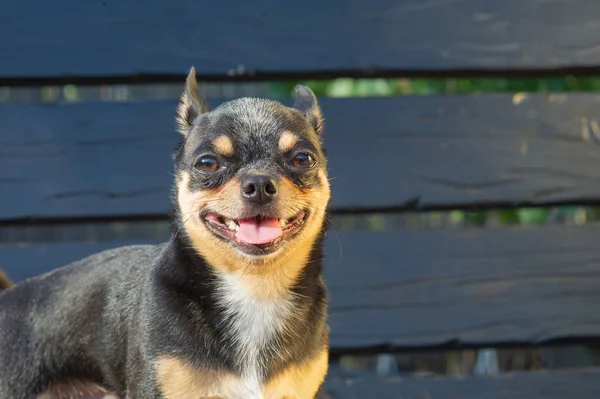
{"x":303,"y":160}
{"x":207,"y":164}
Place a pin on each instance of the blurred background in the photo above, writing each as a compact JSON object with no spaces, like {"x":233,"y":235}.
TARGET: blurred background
{"x":464,"y":139}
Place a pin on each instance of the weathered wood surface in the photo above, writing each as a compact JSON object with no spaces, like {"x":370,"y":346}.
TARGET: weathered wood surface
{"x":580,"y":384}
{"x":115,"y":38}
{"x":410,"y":288}
{"x":103,"y":159}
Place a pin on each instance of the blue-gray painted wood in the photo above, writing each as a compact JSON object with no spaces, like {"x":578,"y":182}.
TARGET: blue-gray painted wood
{"x":581,"y":384}
{"x":409,"y":288}
{"x":74,"y":38}
{"x":113,"y":159}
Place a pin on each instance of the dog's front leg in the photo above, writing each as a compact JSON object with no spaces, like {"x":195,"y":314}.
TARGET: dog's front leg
{"x":176,"y":378}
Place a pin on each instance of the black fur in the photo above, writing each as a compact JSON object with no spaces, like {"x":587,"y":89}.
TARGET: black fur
{"x":106,"y":318}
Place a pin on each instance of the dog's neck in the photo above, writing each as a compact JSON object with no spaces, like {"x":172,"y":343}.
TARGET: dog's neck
{"x":197,"y":269}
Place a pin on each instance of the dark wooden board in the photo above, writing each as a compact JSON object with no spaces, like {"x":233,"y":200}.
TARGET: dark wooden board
{"x":115,"y":38}
{"x":103,"y":159}
{"x":409,"y":288}
{"x":581,"y":384}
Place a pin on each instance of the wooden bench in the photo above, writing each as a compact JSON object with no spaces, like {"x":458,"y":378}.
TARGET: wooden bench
{"x":76,"y":178}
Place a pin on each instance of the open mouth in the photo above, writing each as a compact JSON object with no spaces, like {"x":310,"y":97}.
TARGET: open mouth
{"x":259,"y":235}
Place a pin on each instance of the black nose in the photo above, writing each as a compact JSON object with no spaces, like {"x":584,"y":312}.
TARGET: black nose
{"x":259,"y":189}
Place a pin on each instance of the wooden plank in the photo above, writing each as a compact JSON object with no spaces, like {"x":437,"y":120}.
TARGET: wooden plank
{"x":115,"y":38}
{"x":411,"y":288}
{"x":103,"y":159}
{"x":581,"y":384}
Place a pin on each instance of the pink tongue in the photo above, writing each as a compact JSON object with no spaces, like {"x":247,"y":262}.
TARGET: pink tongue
{"x":255,"y":231}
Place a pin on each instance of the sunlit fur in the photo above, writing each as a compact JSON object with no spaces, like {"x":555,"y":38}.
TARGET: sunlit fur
{"x":259,"y":120}
{"x":287,"y":141}
{"x":269,"y":275}
{"x":75,"y":389}
{"x":256,"y":292}
{"x":196,"y":316}
{"x":191,"y":104}
{"x":223,"y":145}
{"x":4,"y":280}
{"x":299,"y":381}
{"x":180,"y":380}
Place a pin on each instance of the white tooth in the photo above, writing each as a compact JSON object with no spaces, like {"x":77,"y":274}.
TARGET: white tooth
{"x":231,"y":225}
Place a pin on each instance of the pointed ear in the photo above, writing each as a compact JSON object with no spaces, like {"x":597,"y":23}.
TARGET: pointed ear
{"x":191,"y":104}
{"x":306,"y":102}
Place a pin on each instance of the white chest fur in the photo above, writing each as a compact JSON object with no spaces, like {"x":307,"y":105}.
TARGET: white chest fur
{"x":253,"y":323}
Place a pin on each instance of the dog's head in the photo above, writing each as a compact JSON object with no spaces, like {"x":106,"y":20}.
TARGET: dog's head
{"x":252,"y":186}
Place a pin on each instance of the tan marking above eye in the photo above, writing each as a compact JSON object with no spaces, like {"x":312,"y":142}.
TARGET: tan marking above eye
{"x":287,"y":141}
{"x":223,"y":145}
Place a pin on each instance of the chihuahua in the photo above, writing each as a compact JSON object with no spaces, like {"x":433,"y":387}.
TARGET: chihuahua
{"x":232,"y":306}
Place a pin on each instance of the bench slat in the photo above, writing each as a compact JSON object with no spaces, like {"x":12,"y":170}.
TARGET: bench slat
{"x":581,"y":384}
{"x":112,"y":38}
{"x":110,"y":159}
{"x":410,"y":288}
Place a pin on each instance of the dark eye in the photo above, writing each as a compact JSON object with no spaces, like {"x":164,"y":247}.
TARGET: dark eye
{"x":303,"y":160}
{"x":207,"y":164}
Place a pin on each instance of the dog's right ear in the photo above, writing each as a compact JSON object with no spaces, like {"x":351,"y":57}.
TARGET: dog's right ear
{"x":306,"y":102}
{"x":190,"y":105}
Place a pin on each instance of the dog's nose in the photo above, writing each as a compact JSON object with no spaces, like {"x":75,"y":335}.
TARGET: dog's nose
{"x":259,"y":189}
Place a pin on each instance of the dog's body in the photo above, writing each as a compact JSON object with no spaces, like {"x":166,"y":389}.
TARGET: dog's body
{"x":233,"y":306}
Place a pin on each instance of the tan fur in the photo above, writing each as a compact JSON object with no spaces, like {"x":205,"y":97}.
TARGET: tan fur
{"x":287,"y":141}
{"x":75,"y":389}
{"x":223,"y":145}
{"x":269,"y":276}
{"x":222,"y":200}
{"x":4,"y":281}
{"x":299,"y":381}
{"x":178,"y":380}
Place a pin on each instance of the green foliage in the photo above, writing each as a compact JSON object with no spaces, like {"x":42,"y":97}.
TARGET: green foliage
{"x":475,"y":218}
{"x":347,"y":87}
{"x":532,"y":216}
{"x":508,"y":216}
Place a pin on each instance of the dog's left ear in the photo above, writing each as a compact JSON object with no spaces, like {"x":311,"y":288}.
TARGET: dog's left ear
{"x":190,"y":105}
{"x":306,"y":102}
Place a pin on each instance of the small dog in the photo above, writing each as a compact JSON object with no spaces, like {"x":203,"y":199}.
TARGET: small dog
{"x":233,"y":306}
